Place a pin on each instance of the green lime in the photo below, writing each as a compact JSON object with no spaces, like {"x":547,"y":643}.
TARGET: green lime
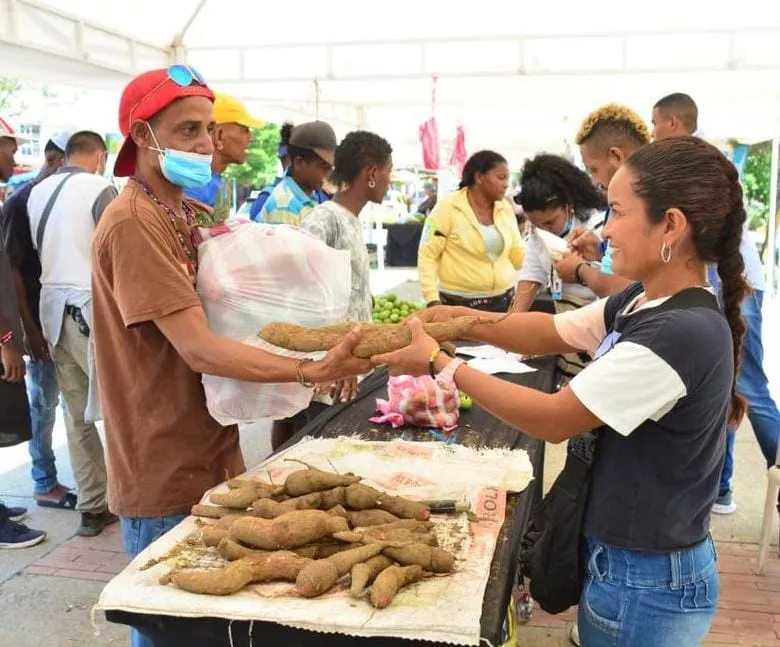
{"x":391,"y":298}
{"x":394,"y":318}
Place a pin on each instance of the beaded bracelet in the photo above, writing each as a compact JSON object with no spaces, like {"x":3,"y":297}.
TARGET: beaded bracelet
{"x":6,"y":338}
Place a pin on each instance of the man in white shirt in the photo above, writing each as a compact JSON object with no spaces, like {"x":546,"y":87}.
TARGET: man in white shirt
{"x":64,"y":210}
{"x":676,"y":115}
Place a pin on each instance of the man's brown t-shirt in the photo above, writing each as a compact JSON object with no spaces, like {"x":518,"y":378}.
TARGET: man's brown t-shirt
{"x":163,"y":448}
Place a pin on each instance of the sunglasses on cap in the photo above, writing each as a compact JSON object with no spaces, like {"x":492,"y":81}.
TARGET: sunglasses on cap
{"x":180,"y":74}
{"x":185,"y":75}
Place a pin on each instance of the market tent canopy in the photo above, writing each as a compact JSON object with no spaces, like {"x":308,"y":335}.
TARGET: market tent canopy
{"x":519,"y":81}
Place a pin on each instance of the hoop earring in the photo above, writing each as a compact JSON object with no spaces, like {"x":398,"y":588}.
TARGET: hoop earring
{"x":666,"y":253}
{"x":371,"y":184}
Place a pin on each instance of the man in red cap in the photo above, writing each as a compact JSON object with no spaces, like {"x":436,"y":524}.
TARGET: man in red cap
{"x":151,"y":335}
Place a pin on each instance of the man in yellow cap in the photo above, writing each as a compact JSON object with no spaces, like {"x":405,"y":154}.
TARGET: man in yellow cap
{"x":232,"y":136}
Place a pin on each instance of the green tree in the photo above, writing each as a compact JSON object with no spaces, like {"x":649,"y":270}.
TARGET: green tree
{"x":756,"y":181}
{"x":261,"y":161}
{"x":10,"y":102}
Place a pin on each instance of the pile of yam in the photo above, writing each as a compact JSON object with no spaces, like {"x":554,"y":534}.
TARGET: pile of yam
{"x":375,"y":339}
{"x":315,"y":530}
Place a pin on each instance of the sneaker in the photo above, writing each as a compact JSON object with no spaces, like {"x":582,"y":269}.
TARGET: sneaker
{"x":574,"y":635}
{"x":92,"y":524}
{"x":17,"y":535}
{"x":724,"y":504}
{"x":14,"y":513}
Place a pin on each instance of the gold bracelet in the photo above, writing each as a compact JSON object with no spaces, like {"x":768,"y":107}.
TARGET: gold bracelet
{"x":432,"y":361}
{"x":299,"y":372}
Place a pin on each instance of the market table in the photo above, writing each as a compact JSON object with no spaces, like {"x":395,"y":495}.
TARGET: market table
{"x":476,"y":428}
{"x":403,"y":241}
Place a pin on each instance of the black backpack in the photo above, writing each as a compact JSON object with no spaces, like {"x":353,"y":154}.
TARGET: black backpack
{"x":552,"y":549}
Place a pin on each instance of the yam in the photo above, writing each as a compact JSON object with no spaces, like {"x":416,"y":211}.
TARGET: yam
{"x":362,"y":518}
{"x":231,"y":550}
{"x":396,"y":536}
{"x":270,"y":509}
{"x":290,"y":530}
{"x":216,"y":581}
{"x":333,"y":498}
{"x":211,"y":535}
{"x":364,"y":497}
{"x":321,"y":550}
{"x":236,"y":575}
{"x":390,"y":581}
{"x":339,"y":511}
{"x":405,"y":524}
{"x":374,"y":340}
{"x":210,"y":511}
{"x":239,"y":499}
{"x":315,"y":480}
{"x":364,"y":573}
{"x":433,"y":559}
{"x":319,"y":576}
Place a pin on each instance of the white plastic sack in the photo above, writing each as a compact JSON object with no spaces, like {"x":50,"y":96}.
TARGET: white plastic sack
{"x":250,"y":275}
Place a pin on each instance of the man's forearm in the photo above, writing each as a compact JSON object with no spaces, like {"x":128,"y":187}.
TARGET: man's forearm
{"x":28,"y":321}
{"x":603,"y":285}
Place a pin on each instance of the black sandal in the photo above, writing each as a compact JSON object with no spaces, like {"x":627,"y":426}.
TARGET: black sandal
{"x":67,"y":502}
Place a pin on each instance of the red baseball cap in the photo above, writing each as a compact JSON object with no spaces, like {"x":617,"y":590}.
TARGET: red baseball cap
{"x":144,"y":97}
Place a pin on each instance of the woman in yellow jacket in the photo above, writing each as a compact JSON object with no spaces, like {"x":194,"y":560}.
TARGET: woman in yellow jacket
{"x":471,"y":246}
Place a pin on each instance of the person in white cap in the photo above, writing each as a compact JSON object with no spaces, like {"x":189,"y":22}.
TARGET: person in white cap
{"x":42,"y":388}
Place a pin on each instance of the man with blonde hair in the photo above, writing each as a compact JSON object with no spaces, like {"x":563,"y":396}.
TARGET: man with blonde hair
{"x":607,"y":137}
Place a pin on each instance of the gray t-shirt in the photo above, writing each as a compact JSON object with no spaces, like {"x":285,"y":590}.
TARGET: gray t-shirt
{"x":339,"y":228}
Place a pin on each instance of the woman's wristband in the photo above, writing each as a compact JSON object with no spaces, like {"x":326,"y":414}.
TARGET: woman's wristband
{"x":577,"y":274}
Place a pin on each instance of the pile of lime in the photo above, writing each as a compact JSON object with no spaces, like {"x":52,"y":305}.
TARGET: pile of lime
{"x":391,"y":309}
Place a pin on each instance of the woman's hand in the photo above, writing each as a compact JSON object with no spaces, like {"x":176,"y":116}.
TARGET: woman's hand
{"x":341,"y":391}
{"x":441,"y":314}
{"x":412,"y":359}
{"x":339,"y":363}
{"x":13,"y":363}
{"x":585,"y":243}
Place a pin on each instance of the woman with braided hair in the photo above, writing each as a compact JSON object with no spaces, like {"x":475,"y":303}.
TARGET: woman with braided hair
{"x":556,"y":196}
{"x":657,"y":395}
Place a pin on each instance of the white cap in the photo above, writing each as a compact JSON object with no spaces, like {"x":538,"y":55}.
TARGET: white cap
{"x":6,"y":130}
{"x":60,"y":139}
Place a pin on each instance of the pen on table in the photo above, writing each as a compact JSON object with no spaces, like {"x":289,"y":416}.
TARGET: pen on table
{"x":589,"y":230}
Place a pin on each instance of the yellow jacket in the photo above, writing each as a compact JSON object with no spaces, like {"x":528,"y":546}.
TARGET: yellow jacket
{"x":452,"y":250}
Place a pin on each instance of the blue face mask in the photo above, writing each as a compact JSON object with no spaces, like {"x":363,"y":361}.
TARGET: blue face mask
{"x":567,"y":227}
{"x":606,"y":261}
{"x":187,"y":170}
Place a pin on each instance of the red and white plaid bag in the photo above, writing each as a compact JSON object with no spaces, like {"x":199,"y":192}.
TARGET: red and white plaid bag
{"x":421,"y":402}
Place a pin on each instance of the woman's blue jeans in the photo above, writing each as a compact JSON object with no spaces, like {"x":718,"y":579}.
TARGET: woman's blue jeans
{"x":640,"y":599}
{"x":753,"y":385}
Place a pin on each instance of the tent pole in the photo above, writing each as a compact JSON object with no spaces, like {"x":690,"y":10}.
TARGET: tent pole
{"x":772,"y":223}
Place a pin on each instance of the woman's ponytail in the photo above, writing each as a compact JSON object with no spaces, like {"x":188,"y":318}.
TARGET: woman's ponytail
{"x":734,"y":288}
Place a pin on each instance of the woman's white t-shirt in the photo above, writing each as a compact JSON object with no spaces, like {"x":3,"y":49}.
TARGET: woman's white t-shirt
{"x":538,"y":264}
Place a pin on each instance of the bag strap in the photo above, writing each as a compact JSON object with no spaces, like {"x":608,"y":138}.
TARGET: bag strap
{"x":48,"y":208}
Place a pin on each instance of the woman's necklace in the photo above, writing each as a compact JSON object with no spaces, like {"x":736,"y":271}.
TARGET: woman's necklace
{"x":189,"y":216}
{"x":484,"y":215}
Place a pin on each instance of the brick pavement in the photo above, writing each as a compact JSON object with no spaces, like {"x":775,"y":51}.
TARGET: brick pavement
{"x":748,"y":610}
{"x":85,"y":558}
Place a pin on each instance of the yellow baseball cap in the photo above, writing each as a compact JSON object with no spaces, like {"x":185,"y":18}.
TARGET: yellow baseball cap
{"x":230,"y":110}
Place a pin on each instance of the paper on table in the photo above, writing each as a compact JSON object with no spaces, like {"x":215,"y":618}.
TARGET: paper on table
{"x":556,"y":246}
{"x":485,"y":351}
{"x":505,"y":364}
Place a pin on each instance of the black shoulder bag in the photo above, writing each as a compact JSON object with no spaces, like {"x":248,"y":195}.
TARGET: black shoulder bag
{"x":551,"y":551}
